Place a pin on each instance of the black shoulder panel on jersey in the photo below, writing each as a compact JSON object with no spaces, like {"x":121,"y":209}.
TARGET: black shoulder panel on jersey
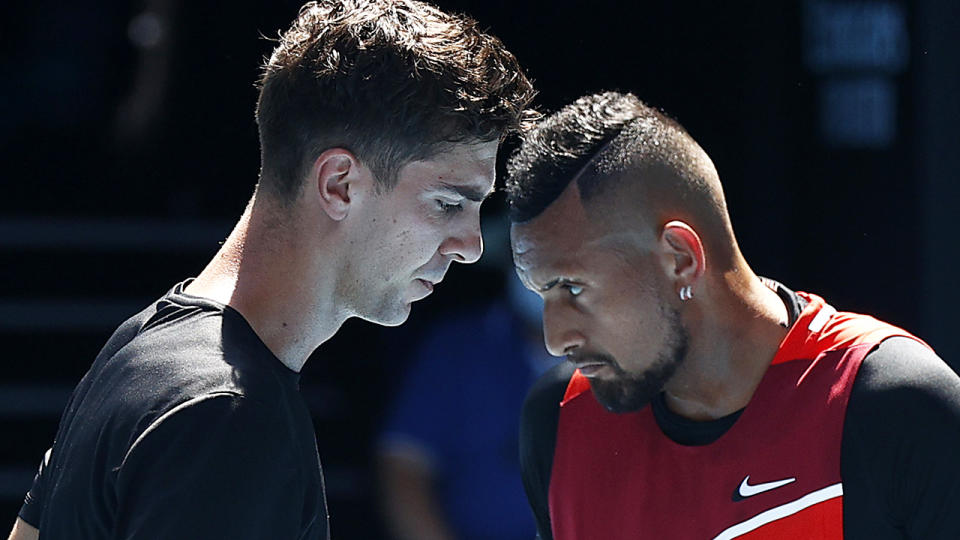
{"x":901,"y":475}
{"x":538,"y":439}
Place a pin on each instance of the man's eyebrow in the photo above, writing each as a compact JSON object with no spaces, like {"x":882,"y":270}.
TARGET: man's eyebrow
{"x":467,"y":192}
{"x":528,"y":280}
{"x":551,"y":284}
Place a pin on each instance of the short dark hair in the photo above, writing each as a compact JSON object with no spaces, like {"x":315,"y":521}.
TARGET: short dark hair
{"x":392,"y":81}
{"x":591,"y":140}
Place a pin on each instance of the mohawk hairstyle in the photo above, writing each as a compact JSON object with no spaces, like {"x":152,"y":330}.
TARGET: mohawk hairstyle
{"x":590,"y":140}
{"x":392,"y":81}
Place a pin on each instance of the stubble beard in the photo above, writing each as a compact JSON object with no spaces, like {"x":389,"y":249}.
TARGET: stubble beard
{"x":391,"y":308}
{"x":629,"y":392}
{"x":378,"y":300}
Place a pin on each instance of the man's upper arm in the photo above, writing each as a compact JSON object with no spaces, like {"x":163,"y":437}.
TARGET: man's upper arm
{"x":220,"y":467}
{"x":538,"y":437}
{"x":901,"y":447}
{"x":32,"y":509}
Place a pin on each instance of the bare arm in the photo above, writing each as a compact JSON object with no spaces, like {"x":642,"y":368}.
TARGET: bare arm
{"x":409,"y":500}
{"x":23,"y":531}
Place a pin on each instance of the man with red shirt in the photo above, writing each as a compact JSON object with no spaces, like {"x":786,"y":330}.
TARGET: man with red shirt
{"x":743,"y":409}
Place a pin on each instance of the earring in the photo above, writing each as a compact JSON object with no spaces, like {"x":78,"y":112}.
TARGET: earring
{"x":686,"y":293}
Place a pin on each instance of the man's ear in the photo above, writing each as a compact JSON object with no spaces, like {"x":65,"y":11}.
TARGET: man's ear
{"x":685,"y":260}
{"x":335,"y":178}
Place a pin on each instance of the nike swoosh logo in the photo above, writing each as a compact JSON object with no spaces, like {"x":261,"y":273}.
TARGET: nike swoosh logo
{"x":746,"y":490}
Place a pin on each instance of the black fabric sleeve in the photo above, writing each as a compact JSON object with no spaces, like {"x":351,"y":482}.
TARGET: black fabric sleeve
{"x":901,"y":446}
{"x":32,"y":509}
{"x":220,"y":466}
{"x":538,"y":438}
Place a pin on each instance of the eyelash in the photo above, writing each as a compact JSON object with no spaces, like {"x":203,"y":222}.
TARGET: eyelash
{"x":448,"y":208}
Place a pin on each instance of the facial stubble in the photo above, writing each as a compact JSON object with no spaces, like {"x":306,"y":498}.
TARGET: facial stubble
{"x":630,"y":392}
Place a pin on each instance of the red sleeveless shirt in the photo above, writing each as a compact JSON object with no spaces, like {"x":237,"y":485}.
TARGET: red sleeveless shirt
{"x":775,"y":474}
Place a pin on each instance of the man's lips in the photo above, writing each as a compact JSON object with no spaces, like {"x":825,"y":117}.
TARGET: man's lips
{"x":590,"y":370}
{"x":588,"y":366}
{"x":430,"y":281}
{"x":581,"y":365}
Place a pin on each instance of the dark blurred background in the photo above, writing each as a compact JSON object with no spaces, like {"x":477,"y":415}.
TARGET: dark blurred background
{"x":129,"y":148}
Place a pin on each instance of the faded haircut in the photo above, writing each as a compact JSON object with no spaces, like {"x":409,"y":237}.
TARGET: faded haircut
{"x":594,"y":140}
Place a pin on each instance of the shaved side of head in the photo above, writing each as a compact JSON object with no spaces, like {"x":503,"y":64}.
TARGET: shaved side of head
{"x":635,"y":167}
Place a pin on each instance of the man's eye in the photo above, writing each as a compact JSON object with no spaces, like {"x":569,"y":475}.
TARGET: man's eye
{"x":575,"y":290}
{"x":449,"y":208}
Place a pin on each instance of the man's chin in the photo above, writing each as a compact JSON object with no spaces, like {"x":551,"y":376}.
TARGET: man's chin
{"x":620,"y":398}
{"x":395,"y":316}
{"x":396,"y":321}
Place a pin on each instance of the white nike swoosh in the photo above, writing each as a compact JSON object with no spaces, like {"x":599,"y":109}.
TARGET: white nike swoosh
{"x":780,"y":512}
{"x":746,"y":490}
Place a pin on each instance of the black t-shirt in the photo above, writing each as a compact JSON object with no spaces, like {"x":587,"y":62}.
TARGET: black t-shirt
{"x":900,"y":457}
{"x":186,"y":426}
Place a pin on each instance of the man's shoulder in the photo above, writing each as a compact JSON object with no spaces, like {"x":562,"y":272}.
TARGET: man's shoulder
{"x":903,"y":370}
{"x":191,"y":347}
{"x":172,"y":356}
{"x":190,"y":356}
{"x":901,"y":438}
{"x":902,"y":389}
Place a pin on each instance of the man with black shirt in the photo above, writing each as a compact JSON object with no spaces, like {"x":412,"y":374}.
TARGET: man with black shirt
{"x":379,"y":125}
{"x":771,"y":414}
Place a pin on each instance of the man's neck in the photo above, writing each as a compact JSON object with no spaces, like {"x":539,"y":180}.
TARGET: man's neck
{"x":264,"y":272}
{"x":731,"y":346}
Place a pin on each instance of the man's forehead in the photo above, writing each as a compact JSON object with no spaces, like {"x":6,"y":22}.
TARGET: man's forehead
{"x":565,"y":214}
{"x":478,"y":156}
{"x":558,"y":231}
{"x":468,"y":167}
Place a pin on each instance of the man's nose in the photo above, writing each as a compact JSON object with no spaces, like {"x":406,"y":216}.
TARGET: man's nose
{"x":560,"y":332}
{"x":466,"y":245}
